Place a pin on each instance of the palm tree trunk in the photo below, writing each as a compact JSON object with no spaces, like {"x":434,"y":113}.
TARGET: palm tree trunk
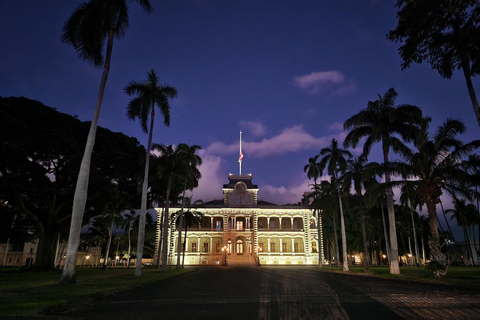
{"x":180,"y":223}
{"x":337,"y":251}
{"x":129,"y":246}
{"x":320,"y":242}
{"x":165,"y":225}
{"x":471,"y":91}
{"x":81,"y":189}
{"x":344,"y":234}
{"x":394,"y":266}
{"x":365,"y":242}
{"x":109,"y":243}
{"x":143,"y":209}
{"x":160,"y":239}
{"x":387,"y":242}
{"x":184,"y":247}
{"x":415,"y":240}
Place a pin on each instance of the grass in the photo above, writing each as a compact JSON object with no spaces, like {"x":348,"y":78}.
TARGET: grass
{"x":29,"y":293}
{"x":465,"y":277}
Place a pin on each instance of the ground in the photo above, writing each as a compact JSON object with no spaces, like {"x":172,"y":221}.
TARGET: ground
{"x":280,"y":293}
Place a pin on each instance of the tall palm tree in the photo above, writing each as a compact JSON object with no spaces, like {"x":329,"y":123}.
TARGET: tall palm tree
{"x":335,"y":160}
{"x":360,"y":173}
{"x":128,"y":220}
{"x":173,"y":162}
{"x":436,"y":166}
{"x":384,"y":122}
{"x":191,"y":217}
{"x":314,"y":171}
{"x":325,"y":201}
{"x":409,"y":197}
{"x":191,"y":175}
{"x":86,"y":30}
{"x":149,"y":94}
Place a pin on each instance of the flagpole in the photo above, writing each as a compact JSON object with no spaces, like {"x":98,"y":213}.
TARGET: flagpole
{"x":240,"y":158}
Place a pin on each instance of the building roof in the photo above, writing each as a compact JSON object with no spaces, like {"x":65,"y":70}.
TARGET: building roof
{"x":233,"y":179}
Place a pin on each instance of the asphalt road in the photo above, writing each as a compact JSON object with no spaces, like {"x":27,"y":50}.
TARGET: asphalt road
{"x":281,"y":293}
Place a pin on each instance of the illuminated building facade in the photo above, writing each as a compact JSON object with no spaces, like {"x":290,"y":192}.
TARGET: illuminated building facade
{"x":240,"y":229}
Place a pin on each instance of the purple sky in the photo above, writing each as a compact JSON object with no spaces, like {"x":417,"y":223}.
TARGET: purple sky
{"x":286,"y":73}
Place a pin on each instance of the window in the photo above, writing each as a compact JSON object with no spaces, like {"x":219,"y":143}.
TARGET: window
{"x":260,"y":247}
{"x":205,"y":247}
{"x":240,"y":225}
{"x":314,"y":246}
{"x":272,"y":247}
{"x":182,"y":247}
{"x":217,"y":247}
{"x":296,"y":246}
{"x":194,"y":247}
{"x":284,"y":247}
{"x":260,"y":223}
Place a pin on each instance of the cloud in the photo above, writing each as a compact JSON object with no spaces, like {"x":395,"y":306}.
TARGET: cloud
{"x":256,"y":128}
{"x":282,"y":194}
{"x":211,"y":182}
{"x":290,"y":140}
{"x":332,"y":82}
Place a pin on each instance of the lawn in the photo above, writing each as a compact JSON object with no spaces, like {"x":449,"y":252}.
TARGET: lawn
{"x":465,"y":277}
{"x":29,"y":293}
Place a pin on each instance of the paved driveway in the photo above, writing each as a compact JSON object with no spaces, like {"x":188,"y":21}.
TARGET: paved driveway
{"x":281,"y":293}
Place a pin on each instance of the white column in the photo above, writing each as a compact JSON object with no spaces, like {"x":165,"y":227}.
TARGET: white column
{"x":293,"y":245}
{"x":268,"y":227}
{"x":268,"y":240}
{"x":291,"y":223}
{"x":280,"y":223}
{"x":211,"y":223}
{"x":281,"y":245}
{"x":198,"y":245}
{"x":211,"y":246}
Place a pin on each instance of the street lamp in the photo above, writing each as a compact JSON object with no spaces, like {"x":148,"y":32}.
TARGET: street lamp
{"x":224,"y":250}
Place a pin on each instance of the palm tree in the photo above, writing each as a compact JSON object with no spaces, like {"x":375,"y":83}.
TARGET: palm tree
{"x":464,"y":214}
{"x":325,"y":201}
{"x":192,"y":217}
{"x":314,"y":172}
{"x":128,"y":220}
{"x":335,"y":160}
{"x":360,"y":173}
{"x":112,"y":220}
{"x":173,"y":163}
{"x":149,"y":94}
{"x":382,"y":121}
{"x":191,"y":175}
{"x":436,"y":165}
{"x":409,"y":197}
{"x":86,"y":30}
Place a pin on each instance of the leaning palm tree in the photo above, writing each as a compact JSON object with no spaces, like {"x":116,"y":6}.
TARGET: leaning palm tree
{"x":314,"y":171}
{"x":435,"y":166}
{"x":86,"y":30}
{"x":384,"y":122}
{"x":335,"y":160}
{"x":149,"y":94}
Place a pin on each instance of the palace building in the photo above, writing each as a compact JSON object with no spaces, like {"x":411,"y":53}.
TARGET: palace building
{"x":240,"y":229}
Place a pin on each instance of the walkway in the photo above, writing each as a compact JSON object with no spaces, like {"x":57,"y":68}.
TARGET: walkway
{"x":281,"y":293}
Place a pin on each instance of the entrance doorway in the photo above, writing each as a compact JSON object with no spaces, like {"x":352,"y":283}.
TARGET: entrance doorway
{"x":239,"y":247}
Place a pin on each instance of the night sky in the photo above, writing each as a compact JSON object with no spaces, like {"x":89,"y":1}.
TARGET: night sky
{"x":286,"y":73}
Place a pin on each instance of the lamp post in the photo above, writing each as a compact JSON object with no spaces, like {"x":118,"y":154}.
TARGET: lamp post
{"x":224,"y":250}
